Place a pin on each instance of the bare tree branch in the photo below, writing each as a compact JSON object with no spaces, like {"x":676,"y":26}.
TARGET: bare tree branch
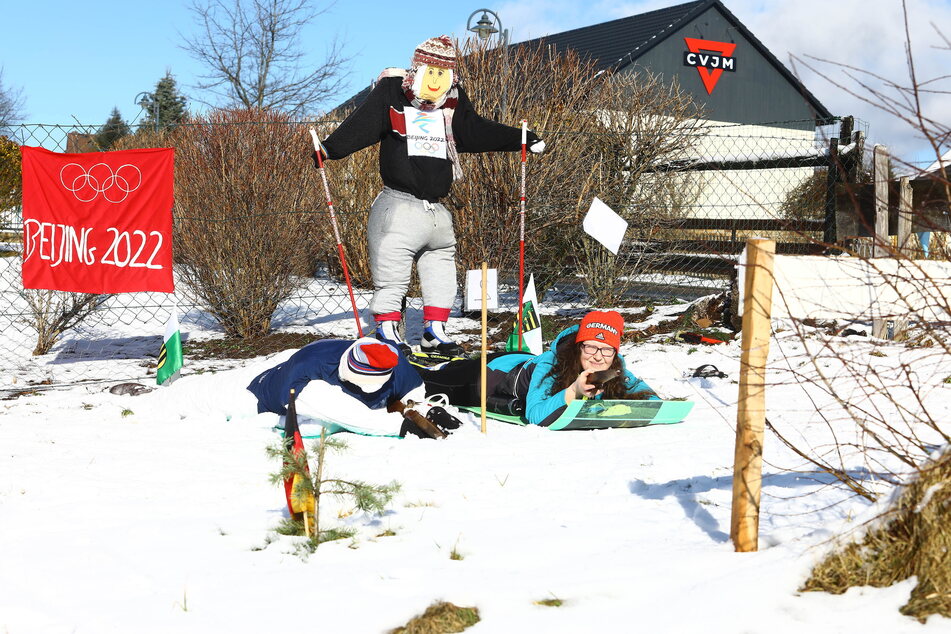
{"x":251,"y":50}
{"x":11,"y":106}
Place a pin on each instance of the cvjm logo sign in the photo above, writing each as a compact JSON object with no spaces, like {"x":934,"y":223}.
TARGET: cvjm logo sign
{"x":710,"y":59}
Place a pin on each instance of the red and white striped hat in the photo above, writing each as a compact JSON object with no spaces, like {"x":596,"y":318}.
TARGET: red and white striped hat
{"x":436,"y":51}
{"x":368,"y":364}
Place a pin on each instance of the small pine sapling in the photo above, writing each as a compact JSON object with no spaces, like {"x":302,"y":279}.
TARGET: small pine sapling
{"x":372,"y":498}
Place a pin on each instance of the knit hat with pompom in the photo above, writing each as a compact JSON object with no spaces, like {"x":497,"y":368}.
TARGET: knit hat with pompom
{"x":436,"y":51}
{"x":368,"y":364}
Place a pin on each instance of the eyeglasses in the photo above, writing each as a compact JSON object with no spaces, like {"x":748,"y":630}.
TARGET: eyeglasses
{"x":606,"y":353}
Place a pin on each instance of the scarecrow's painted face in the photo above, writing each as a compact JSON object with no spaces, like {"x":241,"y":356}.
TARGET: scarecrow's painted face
{"x":435,"y":82}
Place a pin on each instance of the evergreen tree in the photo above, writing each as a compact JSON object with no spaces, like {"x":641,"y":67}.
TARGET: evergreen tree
{"x":310,"y":484}
{"x":165,"y":106}
{"x":112,"y":130}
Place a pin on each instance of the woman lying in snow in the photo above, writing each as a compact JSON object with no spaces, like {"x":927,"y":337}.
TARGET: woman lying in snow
{"x":538,"y":388}
{"x":351,"y":383}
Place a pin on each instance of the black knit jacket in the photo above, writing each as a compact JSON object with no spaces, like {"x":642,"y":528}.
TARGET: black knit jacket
{"x":424,"y":177}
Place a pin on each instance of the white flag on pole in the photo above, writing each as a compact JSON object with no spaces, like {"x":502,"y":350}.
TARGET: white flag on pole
{"x":604,"y":225}
{"x":531,"y":322}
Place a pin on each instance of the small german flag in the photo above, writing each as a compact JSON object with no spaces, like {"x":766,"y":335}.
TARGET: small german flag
{"x":299,"y":497}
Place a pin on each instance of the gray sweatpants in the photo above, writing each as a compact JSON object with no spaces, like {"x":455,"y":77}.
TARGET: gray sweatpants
{"x":403,"y":229}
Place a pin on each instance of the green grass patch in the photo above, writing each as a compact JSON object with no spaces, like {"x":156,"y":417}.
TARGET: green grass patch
{"x":440,"y":618}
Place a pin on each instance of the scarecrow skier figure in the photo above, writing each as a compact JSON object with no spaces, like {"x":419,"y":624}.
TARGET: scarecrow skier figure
{"x":422,"y":119}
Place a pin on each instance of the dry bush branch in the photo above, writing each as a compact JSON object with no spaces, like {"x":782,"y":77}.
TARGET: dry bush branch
{"x":245,"y":227}
{"x":51,"y":313}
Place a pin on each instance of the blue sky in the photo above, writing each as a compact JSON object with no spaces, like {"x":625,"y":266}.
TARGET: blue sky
{"x":75,"y":61}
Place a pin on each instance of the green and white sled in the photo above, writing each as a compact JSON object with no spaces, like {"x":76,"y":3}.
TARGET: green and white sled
{"x":607,"y":414}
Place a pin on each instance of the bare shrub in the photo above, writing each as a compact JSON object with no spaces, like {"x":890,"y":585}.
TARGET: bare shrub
{"x":245,"y":231}
{"x":51,"y":313}
{"x":653,"y":123}
{"x":806,"y":201}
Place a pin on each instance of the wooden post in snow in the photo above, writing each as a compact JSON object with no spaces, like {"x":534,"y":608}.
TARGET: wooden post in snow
{"x":485,"y":343}
{"x":880,"y":241}
{"x":904,"y":217}
{"x":751,"y":408}
{"x":905,"y":249}
{"x":880,"y":174}
{"x":832,"y":177}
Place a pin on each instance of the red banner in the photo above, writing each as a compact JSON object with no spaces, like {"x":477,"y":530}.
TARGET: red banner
{"x":99,"y":222}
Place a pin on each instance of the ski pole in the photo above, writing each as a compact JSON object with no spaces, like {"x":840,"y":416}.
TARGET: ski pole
{"x":333,"y":221}
{"x":521,"y":238}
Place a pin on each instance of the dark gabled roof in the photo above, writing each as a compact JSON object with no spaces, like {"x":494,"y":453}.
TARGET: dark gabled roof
{"x":609,"y":44}
{"x":617,"y":44}
{"x":352,"y":102}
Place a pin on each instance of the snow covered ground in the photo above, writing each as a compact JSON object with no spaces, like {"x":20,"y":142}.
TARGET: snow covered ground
{"x":154,"y":513}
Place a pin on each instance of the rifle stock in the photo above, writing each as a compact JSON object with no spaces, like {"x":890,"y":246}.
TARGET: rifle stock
{"x":416,"y":418}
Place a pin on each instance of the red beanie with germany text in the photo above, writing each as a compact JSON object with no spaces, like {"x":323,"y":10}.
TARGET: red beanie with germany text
{"x":604,"y":326}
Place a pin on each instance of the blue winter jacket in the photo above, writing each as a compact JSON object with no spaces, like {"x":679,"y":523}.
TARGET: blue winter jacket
{"x":321,"y":361}
{"x":541,"y":406}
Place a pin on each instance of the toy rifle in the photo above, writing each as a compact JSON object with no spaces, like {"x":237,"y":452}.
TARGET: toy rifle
{"x":414,"y":419}
{"x":599,"y":378}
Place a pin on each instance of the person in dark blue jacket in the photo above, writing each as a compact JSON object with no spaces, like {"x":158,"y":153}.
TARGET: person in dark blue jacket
{"x":370,"y":371}
{"x":538,"y":388}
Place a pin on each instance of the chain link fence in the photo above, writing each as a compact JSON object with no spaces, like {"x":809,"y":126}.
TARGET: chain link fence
{"x":690,"y":217}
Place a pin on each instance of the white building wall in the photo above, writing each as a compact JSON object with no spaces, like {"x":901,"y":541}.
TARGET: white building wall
{"x":749,"y":194}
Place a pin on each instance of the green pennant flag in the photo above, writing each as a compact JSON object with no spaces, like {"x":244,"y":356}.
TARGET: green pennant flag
{"x":531,"y":324}
{"x":170,"y":357}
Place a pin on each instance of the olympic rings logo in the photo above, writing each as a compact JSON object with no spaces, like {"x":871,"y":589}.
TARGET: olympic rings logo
{"x":86,"y":185}
{"x":427,"y":146}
